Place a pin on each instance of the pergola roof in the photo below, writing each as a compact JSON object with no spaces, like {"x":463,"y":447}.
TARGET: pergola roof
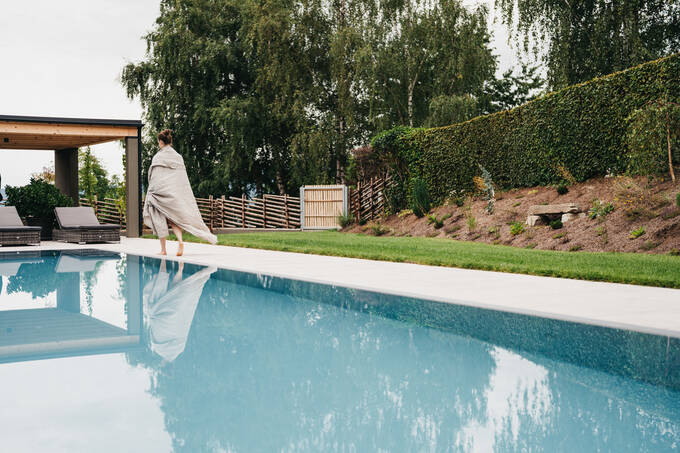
{"x":29,"y":132}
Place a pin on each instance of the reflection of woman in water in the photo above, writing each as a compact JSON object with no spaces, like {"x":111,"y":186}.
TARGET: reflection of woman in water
{"x":170,"y":201}
{"x":169,"y":307}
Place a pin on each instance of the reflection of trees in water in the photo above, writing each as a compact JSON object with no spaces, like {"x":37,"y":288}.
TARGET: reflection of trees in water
{"x":39,"y":279}
{"x":266,"y":372}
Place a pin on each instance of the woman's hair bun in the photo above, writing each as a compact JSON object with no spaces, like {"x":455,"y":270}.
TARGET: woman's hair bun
{"x":165,"y":136}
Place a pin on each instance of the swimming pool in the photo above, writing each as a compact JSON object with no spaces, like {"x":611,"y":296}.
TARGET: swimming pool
{"x":108,"y":352}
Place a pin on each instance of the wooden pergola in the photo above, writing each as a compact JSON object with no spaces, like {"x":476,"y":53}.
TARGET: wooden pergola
{"x":64,"y":136}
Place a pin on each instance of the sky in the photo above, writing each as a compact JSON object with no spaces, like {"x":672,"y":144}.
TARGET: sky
{"x":64,"y":59}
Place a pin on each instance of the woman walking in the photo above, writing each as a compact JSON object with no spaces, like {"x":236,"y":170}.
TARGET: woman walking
{"x":170,"y":201}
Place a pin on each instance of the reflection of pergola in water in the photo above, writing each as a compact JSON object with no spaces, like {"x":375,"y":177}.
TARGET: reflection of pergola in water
{"x":64,"y":136}
{"x":64,"y":331}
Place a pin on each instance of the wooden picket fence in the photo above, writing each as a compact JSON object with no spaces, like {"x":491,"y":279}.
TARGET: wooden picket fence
{"x":270,"y":211}
{"x":367,"y":201}
{"x":108,"y":210}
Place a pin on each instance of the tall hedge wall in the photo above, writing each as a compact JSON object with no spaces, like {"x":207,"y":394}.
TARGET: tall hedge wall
{"x":581,"y":128}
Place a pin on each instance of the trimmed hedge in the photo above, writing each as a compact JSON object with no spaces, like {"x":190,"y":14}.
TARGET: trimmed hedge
{"x":580,"y":129}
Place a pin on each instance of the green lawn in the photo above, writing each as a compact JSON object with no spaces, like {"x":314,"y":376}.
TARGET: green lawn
{"x":641,"y":269}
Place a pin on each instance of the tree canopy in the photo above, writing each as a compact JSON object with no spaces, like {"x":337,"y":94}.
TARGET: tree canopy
{"x":267,"y":95}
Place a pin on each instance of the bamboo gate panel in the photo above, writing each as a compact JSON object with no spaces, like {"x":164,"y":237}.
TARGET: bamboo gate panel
{"x":108,"y":210}
{"x":368,"y":201}
{"x":321,"y":206}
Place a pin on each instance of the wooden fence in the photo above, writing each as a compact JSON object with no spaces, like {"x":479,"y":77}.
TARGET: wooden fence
{"x":270,"y":211}
{"x":367,"y":201}
{"x":108,"y":210}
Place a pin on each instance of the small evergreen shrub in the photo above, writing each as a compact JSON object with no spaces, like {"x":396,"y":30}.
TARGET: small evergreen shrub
{"x":556,"y":224}
{"x":562,"y":189}
{"x":516,"y":228}
{"x":378,"y":229}
{"x":345,"y":220}
{"x":677,"y":199}
{"x":420,"y":199}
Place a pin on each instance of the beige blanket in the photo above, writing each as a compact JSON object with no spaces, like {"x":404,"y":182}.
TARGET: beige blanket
{"x":169,"y":198}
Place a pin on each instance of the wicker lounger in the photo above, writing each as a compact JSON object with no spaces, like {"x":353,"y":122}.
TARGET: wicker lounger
{"x":13,"y":231}
{"x":81,"y":225}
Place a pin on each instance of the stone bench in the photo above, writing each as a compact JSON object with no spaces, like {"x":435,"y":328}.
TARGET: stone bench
{"x":542,"y":213}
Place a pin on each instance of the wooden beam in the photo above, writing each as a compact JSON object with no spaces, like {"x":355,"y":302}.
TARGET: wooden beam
{"x":80,"y":130}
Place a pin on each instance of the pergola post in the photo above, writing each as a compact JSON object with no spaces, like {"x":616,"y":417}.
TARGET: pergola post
{"x":66,"y":172}
{"x":133,"y":192}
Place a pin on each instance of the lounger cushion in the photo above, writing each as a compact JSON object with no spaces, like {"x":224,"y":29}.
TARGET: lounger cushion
{"x":104,"y":226}
{"x":9,"y":217}
{"x":19,"y":229}
{"x":82,"y":217}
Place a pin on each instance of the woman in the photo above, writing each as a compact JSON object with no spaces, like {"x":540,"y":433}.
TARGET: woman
{"x":169,"y":198}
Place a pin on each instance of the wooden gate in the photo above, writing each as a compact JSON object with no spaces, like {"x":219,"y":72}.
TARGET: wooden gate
{"x":321,"y":206}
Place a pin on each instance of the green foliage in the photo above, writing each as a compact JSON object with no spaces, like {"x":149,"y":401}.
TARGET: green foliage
{"x":580,"y":130}
{"x":511,"y":90}
{"x":38,"y":200}
{"x":636,"y":233}
{"x":560,"y":235}
{"x":653,"y":134}
{"x":471,"y":222}
{"x":556,"y":224}
{"x":562,"y":189}
{"x":516,"y":228}
{"x":581,"y":40}
{"x":432,"y":219}
{"x":677,"y":199}
{"x":600,"y":209}
{"x":93,"y":178}
{"x":377,"y":229}
{"x":345,"y":220}
{"x":489,"y":192}
{"x":420,"y":198}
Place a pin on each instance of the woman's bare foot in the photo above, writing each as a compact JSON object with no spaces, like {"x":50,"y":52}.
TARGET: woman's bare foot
{"x":162,"y":253}
{"x":180,"y":249}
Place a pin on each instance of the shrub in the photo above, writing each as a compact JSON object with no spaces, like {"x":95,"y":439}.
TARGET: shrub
{"x":559,"y":235}
{"x":600,"y":209}
{"x":471,"y":222}
{"x":575,"y":248}
{"x":420,"y":199}
{"x":437,"y":222}
{"x":581,"y":128}
{"x":677,"y":199}
{"x":516,"y":228}
{"x":562,"y":189}
{"x":556,"y":224}
{"x":674,"y":252}
{"x":636,"y":233}
{"x":38,"y":200}
{"x":378,"y":230}
{"x":345,"y":220}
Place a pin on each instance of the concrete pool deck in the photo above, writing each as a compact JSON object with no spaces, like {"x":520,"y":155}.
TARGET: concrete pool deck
{"x":640,"y":308}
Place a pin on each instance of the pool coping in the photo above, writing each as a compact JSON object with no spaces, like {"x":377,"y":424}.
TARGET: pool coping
{"x":562,"y":299}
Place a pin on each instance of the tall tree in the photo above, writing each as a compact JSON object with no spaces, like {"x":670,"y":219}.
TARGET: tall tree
{"x":92,"y":176}
{"x":584,"y":39}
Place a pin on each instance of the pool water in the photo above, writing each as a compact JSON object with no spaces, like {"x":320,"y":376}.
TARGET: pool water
{"x":102,"y":352}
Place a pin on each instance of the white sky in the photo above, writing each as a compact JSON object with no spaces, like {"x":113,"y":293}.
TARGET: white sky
{"x":64,"y":58}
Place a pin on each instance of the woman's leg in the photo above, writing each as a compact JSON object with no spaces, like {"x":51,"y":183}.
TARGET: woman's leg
{"x":178,"y":232}
{"x":163,"y":251}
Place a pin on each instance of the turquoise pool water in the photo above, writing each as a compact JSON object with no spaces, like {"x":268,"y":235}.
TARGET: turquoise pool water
{"x":101,"y":352}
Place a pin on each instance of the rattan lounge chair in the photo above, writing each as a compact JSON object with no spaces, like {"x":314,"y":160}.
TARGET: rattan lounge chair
{"x":13,"y":231}
{"x":80,"y":225}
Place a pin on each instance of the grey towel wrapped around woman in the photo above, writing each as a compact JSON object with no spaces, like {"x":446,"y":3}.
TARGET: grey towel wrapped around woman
{"x":169,"y":198}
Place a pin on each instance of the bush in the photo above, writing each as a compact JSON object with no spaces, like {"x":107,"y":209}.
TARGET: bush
{"x":420,"y":199}
{"x":37,"y":200}
{"x":556,"y":224}
{"x":516,"y":228}
{"x":562,"y":189}
{"x":677,"y":199}
{"x":378,"y":230}
{"x":600,"y":209}
{"x":437,"y":222}
{"x":580,"y":130}
{"x":345,"y":220}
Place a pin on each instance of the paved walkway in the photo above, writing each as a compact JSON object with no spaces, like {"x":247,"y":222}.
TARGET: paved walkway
{"x":646,"y":309}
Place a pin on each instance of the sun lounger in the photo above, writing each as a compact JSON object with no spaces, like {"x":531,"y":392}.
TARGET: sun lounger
{"x":80,"y":225}
{"x":13,"y":231}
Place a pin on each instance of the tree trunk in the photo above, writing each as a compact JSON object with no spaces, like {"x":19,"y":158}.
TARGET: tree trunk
{"x":668,"y":141}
